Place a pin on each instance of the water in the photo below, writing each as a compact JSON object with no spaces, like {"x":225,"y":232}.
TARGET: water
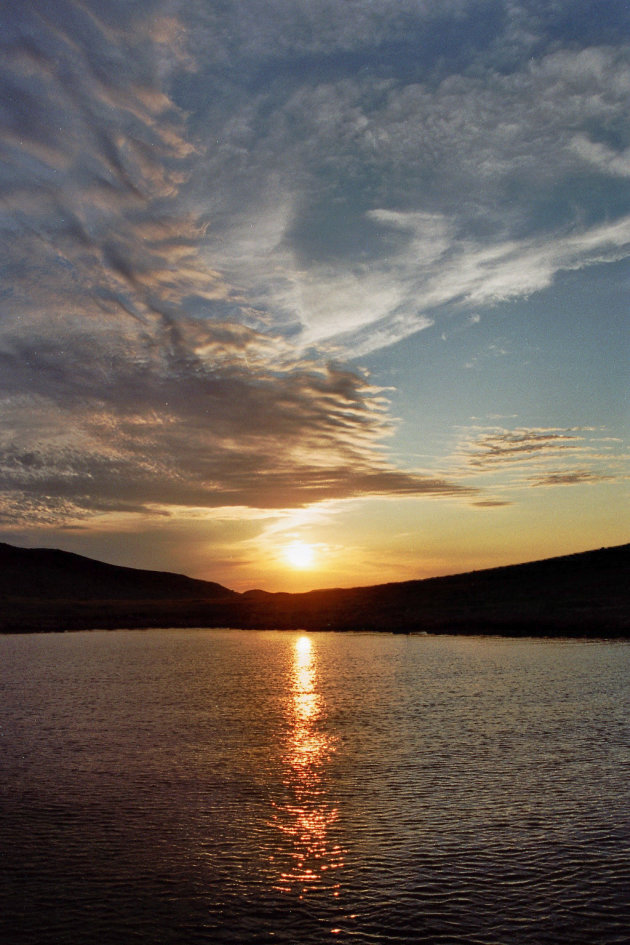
{"x":228,"y":786}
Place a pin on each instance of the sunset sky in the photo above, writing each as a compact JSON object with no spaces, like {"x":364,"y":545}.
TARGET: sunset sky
{"x":302,"y":293}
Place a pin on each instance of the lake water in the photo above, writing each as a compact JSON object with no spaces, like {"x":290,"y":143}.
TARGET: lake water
{"x":208,"y":786}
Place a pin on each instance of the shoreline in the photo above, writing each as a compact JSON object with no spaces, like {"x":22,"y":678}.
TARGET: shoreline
{"x":585,"y":595}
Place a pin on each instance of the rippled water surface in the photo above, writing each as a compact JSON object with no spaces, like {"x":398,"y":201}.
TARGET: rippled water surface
{"x":228,"y":786}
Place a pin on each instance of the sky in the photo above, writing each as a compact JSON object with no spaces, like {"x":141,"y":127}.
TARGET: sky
{"x":312,"y":293}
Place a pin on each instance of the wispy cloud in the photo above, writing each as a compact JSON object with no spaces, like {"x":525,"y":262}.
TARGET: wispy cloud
{"x":343,"y":263}
{"x":491,"y":503}
{"x":502,"y":447}
{"x":525,"y":457}
{"x":578,"y":477}
{"x":208,"y":211}
{"x":601,"y":156}
{"x":196,"y":417}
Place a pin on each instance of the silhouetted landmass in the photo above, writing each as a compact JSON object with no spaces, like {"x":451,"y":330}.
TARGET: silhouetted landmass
{"x":585,"y":594}
{"x":45,"y":573}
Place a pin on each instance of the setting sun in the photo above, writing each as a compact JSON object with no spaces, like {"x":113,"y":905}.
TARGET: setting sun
{"x":299,"y":554}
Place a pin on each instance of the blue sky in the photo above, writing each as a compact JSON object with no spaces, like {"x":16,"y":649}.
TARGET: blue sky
{"x":341,"y":272}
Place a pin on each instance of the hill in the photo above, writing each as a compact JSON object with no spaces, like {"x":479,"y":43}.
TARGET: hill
{"x":48,"y":574}
{"x":586,"y":594}
{"x":580,"y":594}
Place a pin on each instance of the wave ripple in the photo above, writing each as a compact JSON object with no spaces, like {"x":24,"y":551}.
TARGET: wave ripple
{"x":228,"y":787}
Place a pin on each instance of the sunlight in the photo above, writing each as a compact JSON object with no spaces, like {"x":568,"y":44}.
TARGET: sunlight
{"x":299,"y":554}
{"x":303,"y":649}
{"x":311,"y":854}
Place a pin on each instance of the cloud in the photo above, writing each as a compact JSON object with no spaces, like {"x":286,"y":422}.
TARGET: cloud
{"x":502,"y":447}
{"x":191,"y":416}
{"x":359,"y":208}
{"x":577,"y":477}
{"x":95,"y":158}
{"x":265,"y":31}
{"x":490,"y":503}
{"x":208,"y":210}
{"x":526,"y":457}
{"x":602,"y":157}
{"x":286,"y":198}
{"x":136,"y":373}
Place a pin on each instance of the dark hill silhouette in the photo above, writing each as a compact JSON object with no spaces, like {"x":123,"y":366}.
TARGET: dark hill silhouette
{"x":47,"y":573}
{"x":586,"y":594}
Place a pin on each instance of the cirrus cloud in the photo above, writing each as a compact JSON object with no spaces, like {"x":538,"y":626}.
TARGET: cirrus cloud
{"x":524,"y":457}
{"x":209,"y":211}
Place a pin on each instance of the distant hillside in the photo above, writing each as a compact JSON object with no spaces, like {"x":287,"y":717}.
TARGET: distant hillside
{"x":45,"y":573}
{"x":585,"y":594}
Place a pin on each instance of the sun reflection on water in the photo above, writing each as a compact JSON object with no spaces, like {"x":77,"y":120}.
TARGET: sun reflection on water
{"x":307,"y":817}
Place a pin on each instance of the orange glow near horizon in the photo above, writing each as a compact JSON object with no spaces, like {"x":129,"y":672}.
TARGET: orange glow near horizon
{"x":376,"y":541}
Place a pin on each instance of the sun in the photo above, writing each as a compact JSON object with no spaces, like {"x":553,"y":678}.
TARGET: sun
{"x":299,"y":554}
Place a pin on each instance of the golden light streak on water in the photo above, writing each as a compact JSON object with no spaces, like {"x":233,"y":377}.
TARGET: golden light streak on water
{"x":308,"y":817}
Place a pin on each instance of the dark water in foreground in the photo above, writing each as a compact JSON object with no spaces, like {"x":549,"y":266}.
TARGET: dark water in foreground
{"x":222,"y":786}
